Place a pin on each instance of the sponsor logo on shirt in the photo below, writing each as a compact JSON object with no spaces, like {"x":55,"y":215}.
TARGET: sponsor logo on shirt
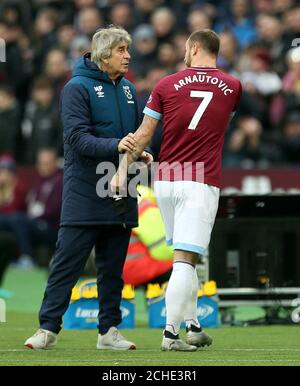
{"x":99,"y":92}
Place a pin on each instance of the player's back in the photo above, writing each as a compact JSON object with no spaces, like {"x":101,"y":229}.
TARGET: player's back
{"x":196,"y":105}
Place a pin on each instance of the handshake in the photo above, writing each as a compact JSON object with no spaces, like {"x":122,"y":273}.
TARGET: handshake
{"x":127,"y":144}
{"x":130,"y":145}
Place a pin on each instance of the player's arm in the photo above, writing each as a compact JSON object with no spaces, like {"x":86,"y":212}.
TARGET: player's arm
{"x":143,"y":138}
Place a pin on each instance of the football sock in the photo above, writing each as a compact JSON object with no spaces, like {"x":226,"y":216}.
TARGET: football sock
{"x":168,"y":334}
{"x":190,"y":315}
{"x":193,"y":328}
{"x":178,"y":294}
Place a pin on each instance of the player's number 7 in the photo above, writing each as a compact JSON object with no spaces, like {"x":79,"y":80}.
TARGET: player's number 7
{"x":207,"y":97}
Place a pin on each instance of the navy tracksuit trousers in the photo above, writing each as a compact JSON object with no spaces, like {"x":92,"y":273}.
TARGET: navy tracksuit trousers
{"x":74,"y":245}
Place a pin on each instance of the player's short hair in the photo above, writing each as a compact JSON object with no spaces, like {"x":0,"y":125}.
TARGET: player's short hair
{"x":208,"y":39}
{"x":104,"y":40}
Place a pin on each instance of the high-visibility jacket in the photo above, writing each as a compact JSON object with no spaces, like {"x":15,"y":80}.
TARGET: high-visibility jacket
{"x":151,"y":231}
{"x":140,"y":267}
{"x":148,"y":255}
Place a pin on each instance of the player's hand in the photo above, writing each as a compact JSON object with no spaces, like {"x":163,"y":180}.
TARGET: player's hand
{"x":127,"y":143}
{"x":118,"y":183}
{"x":147,"y":158}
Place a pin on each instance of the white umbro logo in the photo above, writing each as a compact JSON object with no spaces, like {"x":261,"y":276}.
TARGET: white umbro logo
{"x":99,"y":91}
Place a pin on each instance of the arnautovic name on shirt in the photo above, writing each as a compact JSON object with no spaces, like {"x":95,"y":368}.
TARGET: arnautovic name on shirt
{"x":201,"y":78}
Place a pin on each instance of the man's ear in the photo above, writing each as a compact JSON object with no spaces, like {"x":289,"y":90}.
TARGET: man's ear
{"x":195,"y":49}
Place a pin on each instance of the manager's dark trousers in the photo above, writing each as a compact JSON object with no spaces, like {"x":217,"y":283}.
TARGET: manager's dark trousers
{"x":74,"y":245}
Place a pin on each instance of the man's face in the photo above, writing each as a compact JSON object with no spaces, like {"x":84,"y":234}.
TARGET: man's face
{"x":188,"y":56}
{"x":6,"y":101}
{"x":6,"y":177}
{"x":56,"y":64}
{"x":118,"y":62}
{"x":43,"y":96}
{"x":46,"y":163}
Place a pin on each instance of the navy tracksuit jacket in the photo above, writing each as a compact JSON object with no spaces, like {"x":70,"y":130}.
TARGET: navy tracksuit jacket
{"x":96,"y":115}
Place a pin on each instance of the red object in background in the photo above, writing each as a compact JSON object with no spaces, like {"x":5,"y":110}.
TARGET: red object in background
{"x":130,"y":76}
{"x":28,"y":175}
{"x":275,"y":178}
{"x":140,"y":268}
{"x":18,"y":203}
{"x":279,"y":178}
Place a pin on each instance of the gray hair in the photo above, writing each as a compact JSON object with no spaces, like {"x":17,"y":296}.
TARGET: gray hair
{"x":104,"y":40}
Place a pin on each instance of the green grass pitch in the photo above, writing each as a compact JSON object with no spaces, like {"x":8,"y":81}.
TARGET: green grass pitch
{"x":233,"y":346}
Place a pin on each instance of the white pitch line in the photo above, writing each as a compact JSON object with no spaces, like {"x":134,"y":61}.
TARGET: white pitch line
{"x":210,"y":350}
{"x":154,"y":360}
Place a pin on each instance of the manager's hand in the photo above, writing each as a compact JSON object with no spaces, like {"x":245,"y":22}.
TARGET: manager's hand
{"x":127,"y":143}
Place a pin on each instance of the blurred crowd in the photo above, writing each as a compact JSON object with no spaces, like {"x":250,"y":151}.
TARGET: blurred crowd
{"x":260,"y":44}
{"x":29,"y":211}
